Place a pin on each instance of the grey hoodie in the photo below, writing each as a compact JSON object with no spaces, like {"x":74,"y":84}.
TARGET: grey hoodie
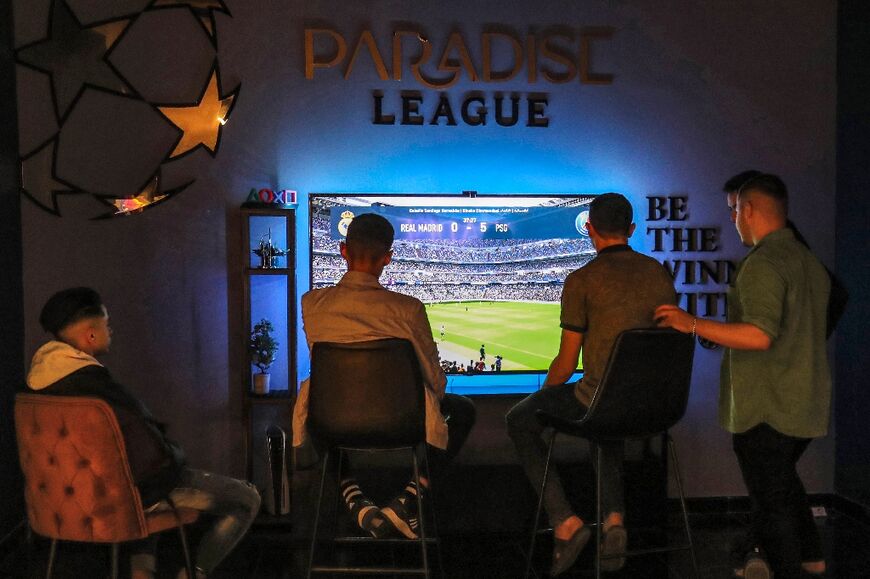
{"x":56,"y":360}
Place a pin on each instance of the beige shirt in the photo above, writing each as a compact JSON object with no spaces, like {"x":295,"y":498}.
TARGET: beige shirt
{"x":360,"y":309}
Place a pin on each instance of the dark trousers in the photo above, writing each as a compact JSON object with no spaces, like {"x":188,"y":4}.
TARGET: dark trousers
{"x":460,"y":414}
{"x":782,"y":523}
{"x":528,"y":436}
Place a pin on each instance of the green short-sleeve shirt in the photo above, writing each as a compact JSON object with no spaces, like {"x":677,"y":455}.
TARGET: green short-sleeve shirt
{"x":781,"y":288}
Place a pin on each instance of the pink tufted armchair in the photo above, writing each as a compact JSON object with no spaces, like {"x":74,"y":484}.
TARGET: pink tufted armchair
{"x":78,"y":484}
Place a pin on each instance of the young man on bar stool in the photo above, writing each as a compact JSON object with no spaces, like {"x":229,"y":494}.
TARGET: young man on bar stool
{"x":67,"y":366}
{"x":775,"y":385}
{"x":357,"y":309}
{"x":616,"y":291}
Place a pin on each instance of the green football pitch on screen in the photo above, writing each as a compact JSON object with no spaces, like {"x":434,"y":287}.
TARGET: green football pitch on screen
{"x":526,"y":335}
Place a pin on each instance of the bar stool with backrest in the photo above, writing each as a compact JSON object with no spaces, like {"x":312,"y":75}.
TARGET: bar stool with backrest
{"x":644,"y":392}
{"x":77,"y":480}
{"x":367,"y":397}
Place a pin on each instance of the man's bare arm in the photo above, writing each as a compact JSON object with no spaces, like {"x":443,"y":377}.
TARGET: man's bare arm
{"x":564,"y":364}
{"x":737,"y":335}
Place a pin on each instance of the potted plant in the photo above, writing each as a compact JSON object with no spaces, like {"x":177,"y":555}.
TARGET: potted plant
{"x":262,"y":347}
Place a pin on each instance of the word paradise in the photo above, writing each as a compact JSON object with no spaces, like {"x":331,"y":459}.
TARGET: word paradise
{"x":675,"y":238}
{"x":556,"y":57}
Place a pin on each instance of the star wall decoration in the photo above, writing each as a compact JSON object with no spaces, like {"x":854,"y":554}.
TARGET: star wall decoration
{"x":78,"y":59}
{"x":141,"y":200}
{"x":149,"y":196}
{"x":202,"y":122}
{"x":39,"y":182}
{"x":75,"y":56}
{"x":204,"y":10}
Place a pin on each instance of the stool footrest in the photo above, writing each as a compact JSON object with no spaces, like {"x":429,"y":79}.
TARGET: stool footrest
{"x":650,"y":551}
{"x":385,"y":541}
{"x":369,"y":570}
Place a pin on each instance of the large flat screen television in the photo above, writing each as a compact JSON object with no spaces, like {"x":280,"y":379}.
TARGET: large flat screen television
{"x":490,"y":269}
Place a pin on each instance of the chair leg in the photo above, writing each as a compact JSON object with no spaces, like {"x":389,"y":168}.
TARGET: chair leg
{"x":317,"y":505}
{"x":433,"y":511}
{"x":51,"y":553}
{"x":114,"y":560}
{"x":531,"y":552}
{"x":188,"y":562}
{"x":679,"y":482}
{"x":342,"y":456}
{"x":599,"y":520}
{"x":420,"y":514}
{"x":28,"y":540}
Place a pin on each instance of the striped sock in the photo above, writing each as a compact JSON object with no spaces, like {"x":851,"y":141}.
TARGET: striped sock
{"x":356,"y":502}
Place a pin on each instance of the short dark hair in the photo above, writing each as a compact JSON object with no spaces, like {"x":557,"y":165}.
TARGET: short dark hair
{"x":770,"y":186}
{"x":734,"y":184}
{"x":68,"y":306}
{"x":611,"y":214}
{"x":370,"y":233}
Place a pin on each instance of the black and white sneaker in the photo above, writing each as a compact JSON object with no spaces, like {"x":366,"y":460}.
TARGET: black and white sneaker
{"x":401,"y":513}
{"x":364,"y":512}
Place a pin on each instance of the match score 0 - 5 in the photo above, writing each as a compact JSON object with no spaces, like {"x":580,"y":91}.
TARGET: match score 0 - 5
{"x":469,"y":227}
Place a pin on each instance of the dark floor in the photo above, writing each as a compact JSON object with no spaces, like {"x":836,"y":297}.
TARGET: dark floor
{"x":484,"y":518}
{"x":270,"y":552}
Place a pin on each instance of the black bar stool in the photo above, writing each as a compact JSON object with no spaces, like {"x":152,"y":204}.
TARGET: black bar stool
{"x":369,"y":397}
{"x":643,"y":393}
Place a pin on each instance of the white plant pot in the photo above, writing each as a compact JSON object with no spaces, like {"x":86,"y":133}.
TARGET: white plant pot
{"x":261,"y":383}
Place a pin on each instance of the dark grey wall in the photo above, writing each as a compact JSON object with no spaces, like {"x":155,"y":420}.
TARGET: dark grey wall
{"x":852,"y":472}
{"x":11,"y":308}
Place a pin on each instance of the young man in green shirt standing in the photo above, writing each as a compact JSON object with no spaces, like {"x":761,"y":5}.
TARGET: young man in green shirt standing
{"x":775,"y":385}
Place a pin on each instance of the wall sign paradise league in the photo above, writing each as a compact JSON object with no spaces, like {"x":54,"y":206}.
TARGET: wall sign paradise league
{"x":560,"y":55}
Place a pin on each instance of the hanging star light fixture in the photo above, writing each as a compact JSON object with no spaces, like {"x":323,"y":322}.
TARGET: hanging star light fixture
{"x":202,"y":122}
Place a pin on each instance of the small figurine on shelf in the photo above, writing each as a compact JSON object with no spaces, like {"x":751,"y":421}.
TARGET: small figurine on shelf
{"x":262,"y":347}
{"x":267,"y":252}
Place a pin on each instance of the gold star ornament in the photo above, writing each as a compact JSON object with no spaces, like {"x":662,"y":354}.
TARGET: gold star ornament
{"x":148,"y":195}
{"x":202,"y":122}
{"x":151,"y":194}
